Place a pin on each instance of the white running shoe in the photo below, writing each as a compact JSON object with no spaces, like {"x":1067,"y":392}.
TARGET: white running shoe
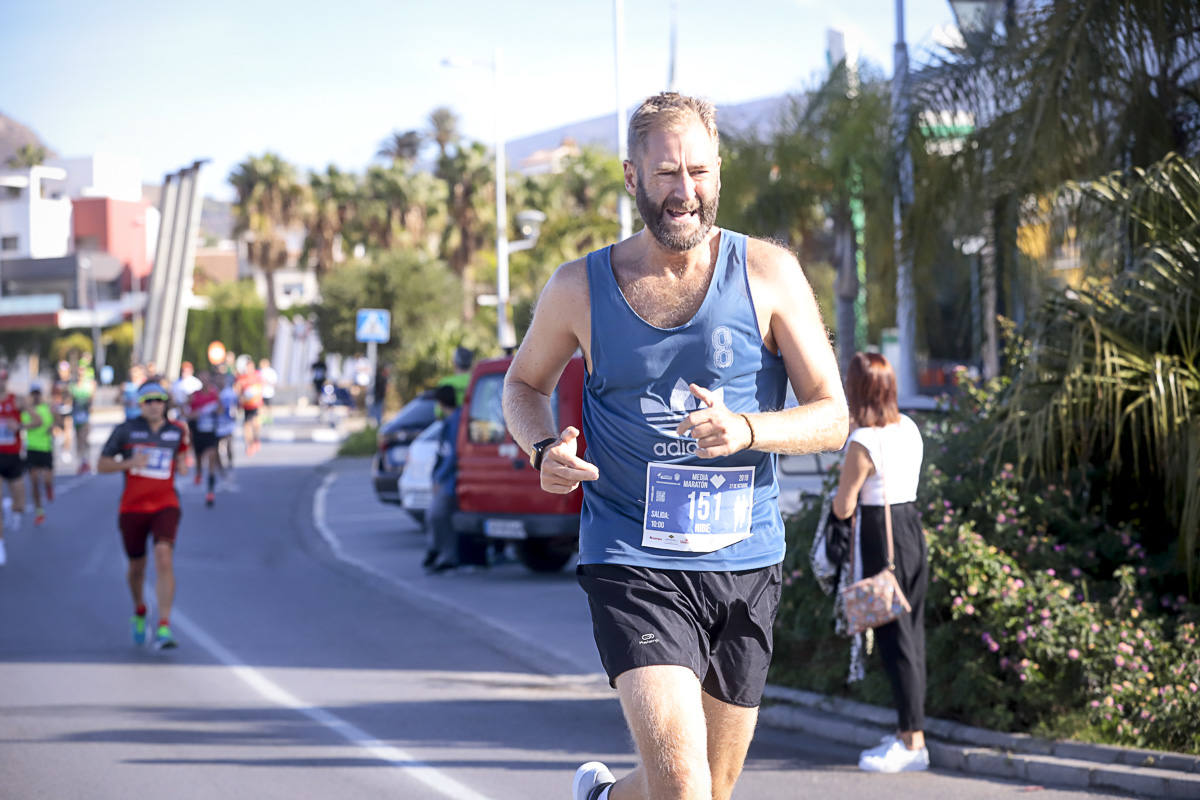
{"x":3,"y":555}
{"x":896,"y":758}
{"x":885,"y":742}
{"x":590,"y":780}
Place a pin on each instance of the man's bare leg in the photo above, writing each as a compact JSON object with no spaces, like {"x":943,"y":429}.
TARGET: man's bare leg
{"x":730,"y":730}
{"x":665,"y":713}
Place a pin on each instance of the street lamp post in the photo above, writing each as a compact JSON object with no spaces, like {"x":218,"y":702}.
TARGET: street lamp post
{"x":624,"y":211}
{"x":906,"y":311}
{"x":505,"y":334}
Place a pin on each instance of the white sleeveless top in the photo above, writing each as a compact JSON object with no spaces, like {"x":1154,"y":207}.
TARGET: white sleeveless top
{"x":896,"y":451}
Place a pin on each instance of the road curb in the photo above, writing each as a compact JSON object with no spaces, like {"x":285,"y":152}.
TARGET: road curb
{"x":1145,"y":773}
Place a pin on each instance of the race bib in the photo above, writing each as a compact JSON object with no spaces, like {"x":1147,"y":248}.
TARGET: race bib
{"x":7,"y":435}
{"x":697,"y":509}
{"x":158,"y":467}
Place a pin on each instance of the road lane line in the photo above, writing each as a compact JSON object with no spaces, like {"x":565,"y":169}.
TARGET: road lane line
{"x":413,"y":767}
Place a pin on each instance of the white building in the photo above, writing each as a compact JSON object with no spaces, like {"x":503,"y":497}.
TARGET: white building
{"x":102,"y":175}
{"x":35,"y":213}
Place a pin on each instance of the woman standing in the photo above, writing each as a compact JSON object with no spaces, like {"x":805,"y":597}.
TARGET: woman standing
{"x":883,"y":454}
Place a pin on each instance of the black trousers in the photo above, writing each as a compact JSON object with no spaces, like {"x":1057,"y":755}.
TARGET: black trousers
{"x":902,"y":642}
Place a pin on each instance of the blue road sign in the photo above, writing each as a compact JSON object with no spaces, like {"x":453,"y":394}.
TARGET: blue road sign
{"x":373,"y":325}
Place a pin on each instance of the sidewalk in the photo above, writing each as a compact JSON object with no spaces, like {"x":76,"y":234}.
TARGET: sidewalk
{"x":1130,"y":771}
{"x":952,"y":746}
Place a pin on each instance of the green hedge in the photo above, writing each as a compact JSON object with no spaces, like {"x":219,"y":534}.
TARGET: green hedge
{"x":241,"y":329}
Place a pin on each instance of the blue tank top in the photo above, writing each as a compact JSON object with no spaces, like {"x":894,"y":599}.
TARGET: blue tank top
{"x":637,"y":393}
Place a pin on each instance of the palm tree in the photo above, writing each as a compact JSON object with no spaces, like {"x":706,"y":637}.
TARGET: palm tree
{"x":1070,"y":91}
{"x":443,"y":124}
{"x":401,"y":148}
{"x":27,"y":155}
{"x":335,"y":197}
{"x":1112,"y":378}
{"x":469,"y":180}
{"x":270,"y":199}
{"x":824,"y":161}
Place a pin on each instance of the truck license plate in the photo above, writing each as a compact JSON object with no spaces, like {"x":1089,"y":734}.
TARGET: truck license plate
{"x":504,"y":528}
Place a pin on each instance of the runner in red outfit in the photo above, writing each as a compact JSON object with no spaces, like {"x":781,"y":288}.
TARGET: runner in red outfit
{"x":250,"y":393}
{"x":151,"y":450}
{"x":12,"y":467}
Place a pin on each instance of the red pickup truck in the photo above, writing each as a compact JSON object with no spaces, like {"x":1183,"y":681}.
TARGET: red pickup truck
{"x":499,"y":494}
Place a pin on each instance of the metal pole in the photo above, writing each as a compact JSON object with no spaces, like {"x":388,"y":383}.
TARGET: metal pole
{"x":372,"y":356}
{"x":170,"y":298}
{"x":906,"y":315}
{"x":187,"y":260}
{"x":674,"y":43}
{"x":158,"y":274}
{"x":624,"y":211}
{"x":505,"y":334}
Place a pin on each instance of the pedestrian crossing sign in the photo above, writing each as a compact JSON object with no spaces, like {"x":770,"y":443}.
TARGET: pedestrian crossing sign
{"x":373,"y":325}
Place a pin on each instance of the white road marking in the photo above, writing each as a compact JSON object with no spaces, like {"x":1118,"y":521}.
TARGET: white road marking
{"x":438,"y":781}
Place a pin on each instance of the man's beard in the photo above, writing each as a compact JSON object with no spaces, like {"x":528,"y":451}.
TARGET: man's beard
{"x":658,"y":222}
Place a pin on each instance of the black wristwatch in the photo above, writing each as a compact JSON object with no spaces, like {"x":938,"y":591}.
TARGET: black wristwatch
{"x":538,"y":451}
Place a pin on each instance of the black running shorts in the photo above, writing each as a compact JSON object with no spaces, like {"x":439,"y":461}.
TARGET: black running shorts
{"x":39,"y":459}
{"x":136,"y":526}
{"x":717,"y":624}
{"x":12,"y":466}
{"x":204,"y":441}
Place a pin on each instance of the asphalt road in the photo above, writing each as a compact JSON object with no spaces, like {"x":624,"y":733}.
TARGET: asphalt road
{"x":316,"y":660}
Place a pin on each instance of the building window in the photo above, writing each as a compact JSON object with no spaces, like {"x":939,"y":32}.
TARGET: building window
{"x":12,"y":192}
{"x":8,"y":243}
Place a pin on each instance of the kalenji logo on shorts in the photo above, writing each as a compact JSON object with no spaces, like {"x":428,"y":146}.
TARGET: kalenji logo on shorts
{"x":665,"y":415}
{"x":648,"y":638}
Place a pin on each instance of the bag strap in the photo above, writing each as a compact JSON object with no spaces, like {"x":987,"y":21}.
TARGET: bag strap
{"x":887,"y":522}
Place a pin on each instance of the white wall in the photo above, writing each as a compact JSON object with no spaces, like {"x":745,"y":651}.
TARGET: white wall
{"x":42,"y":225}
{"x":102,"y":175}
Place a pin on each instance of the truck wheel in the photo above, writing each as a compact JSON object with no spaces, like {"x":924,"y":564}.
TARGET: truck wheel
{"x":545,"y":555}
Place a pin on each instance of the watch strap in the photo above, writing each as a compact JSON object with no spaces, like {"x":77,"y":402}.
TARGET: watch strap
{"x":539,"y":450}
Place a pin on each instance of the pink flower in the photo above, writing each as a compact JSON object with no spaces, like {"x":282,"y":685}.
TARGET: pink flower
{"x":1119,"y":661}
{"x":1095,"y":628}
{"x":1073,"y":654}
{"x":1050,"y":572}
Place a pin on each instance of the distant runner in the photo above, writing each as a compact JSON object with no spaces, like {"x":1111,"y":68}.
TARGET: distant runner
{"x":12,"y":468}
{"x":82,"y":390}
{"x":250,"y":395}
{"x":204,"y":409}
{"x":38,"y":421}
{"x":151,"y":450}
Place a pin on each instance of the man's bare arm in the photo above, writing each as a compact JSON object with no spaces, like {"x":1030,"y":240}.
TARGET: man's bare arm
{"x":821,"y":420}
{"x":557,"y":331}
{"x":548,"y":345}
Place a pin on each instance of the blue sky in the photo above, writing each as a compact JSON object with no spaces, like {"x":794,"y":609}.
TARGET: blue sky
{"x":324,"y":83}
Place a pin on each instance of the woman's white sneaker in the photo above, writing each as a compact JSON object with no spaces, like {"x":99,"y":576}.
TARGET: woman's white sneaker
{"x":895,"y":758}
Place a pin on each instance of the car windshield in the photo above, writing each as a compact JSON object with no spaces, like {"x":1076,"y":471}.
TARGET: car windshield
{"x":418,"y":413}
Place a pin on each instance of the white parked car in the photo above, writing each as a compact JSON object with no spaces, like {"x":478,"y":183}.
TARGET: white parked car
{"x":416,"y":481}
{"x":802,"y":477}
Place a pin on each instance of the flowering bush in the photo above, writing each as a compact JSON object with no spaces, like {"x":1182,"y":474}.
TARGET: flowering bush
{"x":1041,"y":615}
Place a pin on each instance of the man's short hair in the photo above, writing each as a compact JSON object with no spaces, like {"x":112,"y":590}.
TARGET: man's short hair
{"x":666,"y":110}
{"x":446,"y":395}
